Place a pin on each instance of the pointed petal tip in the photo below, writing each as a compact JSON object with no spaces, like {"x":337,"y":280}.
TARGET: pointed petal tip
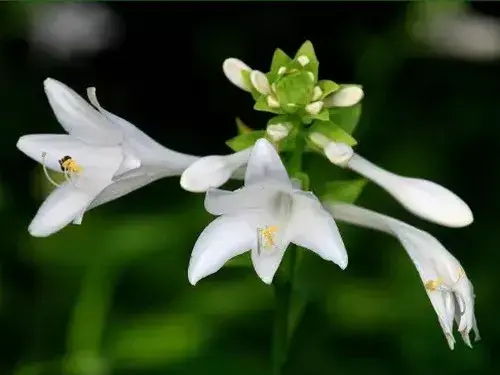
{"x":37,"y":230}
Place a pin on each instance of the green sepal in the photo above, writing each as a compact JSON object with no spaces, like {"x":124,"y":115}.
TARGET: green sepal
{"x":242,"y":127}
{"x":248,"y":83}
{"x":243,"y":141}
{"x":327,"y":87}
{"x":261,"y":105}
{"x":324,"y":115}
{"x":332,"y":131}
{"x":346,"y":191}
{"x":307,"y":49}
{"x":347,"y":117}
{"x":280,"y":58}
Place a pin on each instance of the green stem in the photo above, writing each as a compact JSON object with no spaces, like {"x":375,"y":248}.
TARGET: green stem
{"x":283,"y":288}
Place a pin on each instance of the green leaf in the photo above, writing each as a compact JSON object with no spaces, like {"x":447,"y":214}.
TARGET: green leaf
{"x":347,"y":118}
{"x":346,"y":191}
{"x":324,"y":115}
{"x":243,"y":141}
{"x":332,"y":131}
{"x":261,"y":105}
{"x":280,"y":59}
{"x":307,"y":49}
{"x":242,"y":127}
{"x":248,"y":83}
{"x":327,"y":87}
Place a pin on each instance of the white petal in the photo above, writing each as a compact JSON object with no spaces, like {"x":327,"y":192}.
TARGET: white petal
{"x":314,"y":108}
{"x":60,"y":208}
{"x":56,"y":146}
{"x":122,"y":187}
{"x":260,"y":82}
{"x":267,"y":262}
{"x":212,"y":171}
{"x":346,"y":96}
{"x":232,"y":69}
{"x":338,"y":153}
{"x":278,"y":132}
{"x":314,"y":228}
{"x":79,"y":118}
{"x":146,"y":149}
{"x":253,"y":197}
{"x":421,"y":197}
{"x":130,"y":163}
{"x":223,"y":239}
{"x":265,"y":164}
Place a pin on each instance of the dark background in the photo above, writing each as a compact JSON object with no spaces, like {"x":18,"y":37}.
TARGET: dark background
{"x":113,"y":295}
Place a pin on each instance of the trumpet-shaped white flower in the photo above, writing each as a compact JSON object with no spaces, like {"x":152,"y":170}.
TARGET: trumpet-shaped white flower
{"x":103,"y":158}
{"x":421,"y":197}
{"x":449,"y":290}
{"x":214,"y":171}
{"x":264,"y":216}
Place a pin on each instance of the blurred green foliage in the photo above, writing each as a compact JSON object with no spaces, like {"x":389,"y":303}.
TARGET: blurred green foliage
{"x":112,"y":295}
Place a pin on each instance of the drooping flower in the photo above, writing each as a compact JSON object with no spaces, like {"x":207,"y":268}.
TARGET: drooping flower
{"x":449,"y":290}
{"x":103,"y":158}
{"x":421,"y":197}
{"x":264,"y":217}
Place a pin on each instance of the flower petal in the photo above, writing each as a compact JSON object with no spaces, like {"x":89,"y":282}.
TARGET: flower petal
{"x":232,"y":68}
{"x":146,"y":148}
{"x":56,"y":146}
{"x":421,"y":197}
{"x":60,"y":208}
{"x":267,"y":262}
{"x":223,"y":239}
{"x":260,"y":82}
{"x":314,"y":228}
{"x":79,"y":118}
{"x":212,"y":171}
{"x":265,"y":164}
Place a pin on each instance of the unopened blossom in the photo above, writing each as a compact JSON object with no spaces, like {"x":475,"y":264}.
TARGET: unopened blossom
{"x":103,"y":157}
{"x":421,"y":197}
{"x":264,"y":217}
{"x":214,"y":170}
{"x":449,"y":290}
{"x":345,"y":96}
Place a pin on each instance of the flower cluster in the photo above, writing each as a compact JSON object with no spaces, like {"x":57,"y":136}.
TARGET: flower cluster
{"x":103,"y":157}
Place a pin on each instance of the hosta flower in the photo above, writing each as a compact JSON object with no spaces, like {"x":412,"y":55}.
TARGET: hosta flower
{"x":103,"y":158}
{"x":449,"y":290}
{"x":264,"y":216}
{"x":421,"y":197}
{"x":214,"y":171}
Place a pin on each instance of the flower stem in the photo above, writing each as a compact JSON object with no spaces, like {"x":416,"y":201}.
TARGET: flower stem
{"x":283,"y":289}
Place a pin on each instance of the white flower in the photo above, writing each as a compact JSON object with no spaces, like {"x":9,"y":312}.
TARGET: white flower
{"x":421,"y":197}
{"x":264,"y":216}
{"x":103,"y":158}
{"x":346,"y":96}
{"x":449,"y":290}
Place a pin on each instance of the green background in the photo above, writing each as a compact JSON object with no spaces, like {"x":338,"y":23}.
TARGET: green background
{"x":113,"y":295}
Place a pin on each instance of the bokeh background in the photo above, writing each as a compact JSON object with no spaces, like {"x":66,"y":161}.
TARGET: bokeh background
{"x":112,"y":295}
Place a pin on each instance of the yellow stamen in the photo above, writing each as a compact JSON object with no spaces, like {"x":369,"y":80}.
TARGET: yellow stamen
{"x":268,"y":235}
{"x":68,"y":164}
{"x":433,"y":285}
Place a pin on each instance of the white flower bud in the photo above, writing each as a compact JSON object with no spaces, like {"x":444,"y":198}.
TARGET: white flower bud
{"x":303,"y":60}
{"x":281,"y":71}
{"x":317,"y":93}
{"x":314,"y":108}
{"x":260,"y":82}
{"x":346,"y":96}
{"x":232,"y":69}
{"x":272,"y":102}
{"x":279,"y":131}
